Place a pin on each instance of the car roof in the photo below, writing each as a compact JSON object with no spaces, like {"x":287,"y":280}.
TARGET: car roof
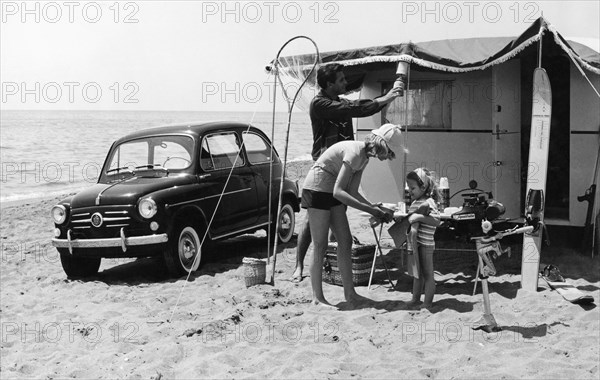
{"x":193,"y":129}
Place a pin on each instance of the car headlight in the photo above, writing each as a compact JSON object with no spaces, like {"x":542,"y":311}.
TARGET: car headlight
{"x":147,"y":208}
{"x":59,"y":214}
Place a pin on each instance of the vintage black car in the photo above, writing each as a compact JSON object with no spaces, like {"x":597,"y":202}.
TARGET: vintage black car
{"x":170,"y":191}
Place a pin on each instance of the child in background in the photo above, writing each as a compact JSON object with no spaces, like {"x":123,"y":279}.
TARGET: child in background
{"x":424,"y":217}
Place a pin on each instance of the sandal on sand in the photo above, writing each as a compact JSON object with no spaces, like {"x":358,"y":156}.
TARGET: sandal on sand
{"x":552,"y":273}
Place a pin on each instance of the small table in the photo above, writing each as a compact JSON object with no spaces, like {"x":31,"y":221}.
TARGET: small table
{"x":398,"y":215}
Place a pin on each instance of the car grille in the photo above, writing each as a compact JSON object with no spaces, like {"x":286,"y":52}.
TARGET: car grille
{"x":113,"y":218}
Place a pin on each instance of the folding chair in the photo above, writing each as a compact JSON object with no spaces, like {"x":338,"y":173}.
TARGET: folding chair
{"x":378,"y":252}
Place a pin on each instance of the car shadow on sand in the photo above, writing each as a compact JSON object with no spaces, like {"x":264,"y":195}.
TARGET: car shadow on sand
{"x":222,"y":257}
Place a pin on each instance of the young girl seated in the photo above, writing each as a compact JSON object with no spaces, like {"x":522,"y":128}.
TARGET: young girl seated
{"x":424,"y":217}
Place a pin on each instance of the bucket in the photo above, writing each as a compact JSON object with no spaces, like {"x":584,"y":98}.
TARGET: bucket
{"x":255,"y":271}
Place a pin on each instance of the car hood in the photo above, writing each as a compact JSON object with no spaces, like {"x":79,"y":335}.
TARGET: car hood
{"x":127,"y":191}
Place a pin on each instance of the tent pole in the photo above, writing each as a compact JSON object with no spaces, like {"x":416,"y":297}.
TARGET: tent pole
{"x":540,"y":52}
{"x":405,"y":133}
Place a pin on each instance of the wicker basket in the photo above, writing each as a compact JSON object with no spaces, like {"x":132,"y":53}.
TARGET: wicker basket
{"x":362,"y":260}
{"x":255,"y":271}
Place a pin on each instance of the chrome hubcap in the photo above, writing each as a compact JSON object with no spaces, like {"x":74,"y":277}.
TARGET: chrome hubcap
{"x":187,"y":247}
{"x":285,"y":222}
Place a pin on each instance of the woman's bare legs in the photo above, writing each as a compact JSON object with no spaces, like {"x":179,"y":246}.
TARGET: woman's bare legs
{"x":304,"y":239}
{"x":319,"y":221}
{"x":341,"y":229}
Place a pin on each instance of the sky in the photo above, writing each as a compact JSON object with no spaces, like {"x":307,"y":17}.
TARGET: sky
{"x":211,"y":55}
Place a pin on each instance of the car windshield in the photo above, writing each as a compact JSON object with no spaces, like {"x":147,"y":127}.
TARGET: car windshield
{"x":159,"y":154}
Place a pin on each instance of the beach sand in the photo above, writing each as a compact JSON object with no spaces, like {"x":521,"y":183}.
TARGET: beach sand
{"x":132,"y":321}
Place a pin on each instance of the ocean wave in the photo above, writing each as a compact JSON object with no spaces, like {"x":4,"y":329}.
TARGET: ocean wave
{"x":37,"y":195}
{"x":304,"y":157}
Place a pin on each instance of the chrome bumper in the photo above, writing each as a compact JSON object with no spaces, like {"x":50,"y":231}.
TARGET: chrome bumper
{"x":122,"y":241}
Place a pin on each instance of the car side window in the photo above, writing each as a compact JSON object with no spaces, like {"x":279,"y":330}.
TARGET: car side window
{"x":257,"y":149}
{"x":220,"y":151}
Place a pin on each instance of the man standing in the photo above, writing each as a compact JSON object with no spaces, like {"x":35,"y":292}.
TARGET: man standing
{"x":331,"y":119}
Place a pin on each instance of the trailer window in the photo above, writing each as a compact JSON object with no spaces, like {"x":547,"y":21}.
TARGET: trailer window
{"x":426,"y":104}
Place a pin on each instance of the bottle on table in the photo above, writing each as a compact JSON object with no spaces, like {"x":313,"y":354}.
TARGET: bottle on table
{"x":444,"y":193}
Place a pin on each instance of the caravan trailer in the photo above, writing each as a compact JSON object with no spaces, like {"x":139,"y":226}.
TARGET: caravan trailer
{"x":466,"y":114}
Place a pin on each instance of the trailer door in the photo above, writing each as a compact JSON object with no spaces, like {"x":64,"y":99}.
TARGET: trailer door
{"x":506,"y":135}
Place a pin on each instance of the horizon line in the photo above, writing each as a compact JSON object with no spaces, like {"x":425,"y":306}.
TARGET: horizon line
{"x":145,"y":110}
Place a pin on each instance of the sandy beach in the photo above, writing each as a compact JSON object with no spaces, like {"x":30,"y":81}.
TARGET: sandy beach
{"x":132,"y":321}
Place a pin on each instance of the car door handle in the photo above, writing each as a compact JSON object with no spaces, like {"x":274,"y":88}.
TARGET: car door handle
{"x":203,"y":176}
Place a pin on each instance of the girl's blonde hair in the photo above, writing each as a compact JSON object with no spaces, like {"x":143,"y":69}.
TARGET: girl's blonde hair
{"x":428,"y":179}
{"x":376,"y":146}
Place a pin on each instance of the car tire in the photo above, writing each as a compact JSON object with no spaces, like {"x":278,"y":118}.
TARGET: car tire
{"x":182,"y":249}
{"x":78,"y":267}
{"x":287,"y":222}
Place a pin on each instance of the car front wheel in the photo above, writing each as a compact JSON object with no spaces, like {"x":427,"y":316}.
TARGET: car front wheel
{"x":78,"y":267}
{"x":183,"y":254}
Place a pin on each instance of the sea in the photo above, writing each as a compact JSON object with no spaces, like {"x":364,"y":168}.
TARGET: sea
{"x":50,"y":153}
